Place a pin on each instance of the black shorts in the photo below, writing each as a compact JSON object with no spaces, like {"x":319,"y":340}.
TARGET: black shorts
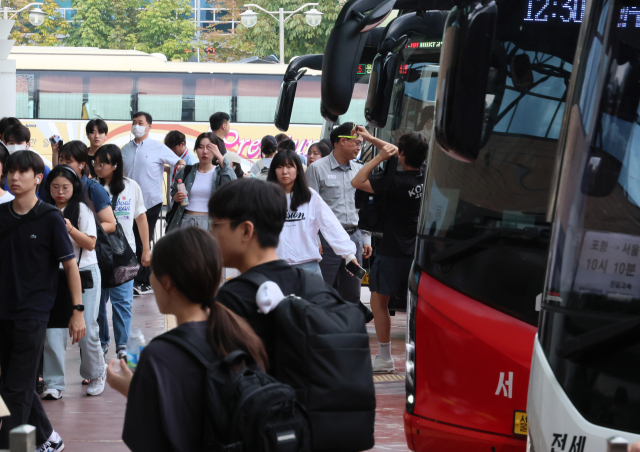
{"x":390,"y":275}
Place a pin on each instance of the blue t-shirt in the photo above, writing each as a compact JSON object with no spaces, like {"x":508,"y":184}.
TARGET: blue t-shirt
{"x":97,"y":194}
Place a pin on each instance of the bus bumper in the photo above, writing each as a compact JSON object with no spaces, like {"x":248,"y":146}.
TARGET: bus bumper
{"x":424,"y":435}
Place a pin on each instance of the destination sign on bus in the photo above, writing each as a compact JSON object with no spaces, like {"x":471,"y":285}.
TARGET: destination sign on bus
{"x":572,"y":11}
{"x":363,"y":69}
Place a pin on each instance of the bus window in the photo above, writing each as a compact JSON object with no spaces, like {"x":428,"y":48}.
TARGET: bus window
{"x":161,"y":97}
{"x":257,"y":97}
{"x":355,"y":113}
{"x":109,"y":97}
{"x":60,"y":97}
{"x":25,"y":88}
{"x":212,"y":94}
{"x":306,"y":108}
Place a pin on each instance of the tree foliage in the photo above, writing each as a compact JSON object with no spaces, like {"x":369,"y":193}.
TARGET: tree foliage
{"x":227,"y":45}
{"x":165,"y":26}
{"x":264,"y":38}
{"x":47,"y":34}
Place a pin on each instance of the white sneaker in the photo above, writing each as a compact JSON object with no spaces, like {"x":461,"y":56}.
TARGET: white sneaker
{"x":96,"y":386}
{"x":52,"y":394}
{"x":382,"y":366}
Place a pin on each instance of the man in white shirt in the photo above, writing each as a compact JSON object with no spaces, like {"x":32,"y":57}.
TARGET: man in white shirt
{"x":144,"y":161}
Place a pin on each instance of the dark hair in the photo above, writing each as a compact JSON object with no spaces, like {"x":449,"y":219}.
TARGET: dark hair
{"x":210,"y":135}
{"x":24,"y":161}
{"x":322,"y":148}
{"x":6,"y":122}
{"x":268,"y":146}
{"x":191,"y":258}
{"x":174,"y":138}
{"x":77,"y":151}
{"x":237,"y":168}
{"x":72,"y":211}
{"x":281,"y":137}
{"x":249,"y":199}
{"x":327,"y":142}
{"x":300,"y":194}
{"x":110,"y":153}
{"x":343,"y":129}
{"x":217,"y":119}
{"x":4,"y":155}
{"x":415,"y":147}
{"x":18,"y":133}
{"x":99,"y":123}
{"x":146,"y":115}
{"x":287,"y":145}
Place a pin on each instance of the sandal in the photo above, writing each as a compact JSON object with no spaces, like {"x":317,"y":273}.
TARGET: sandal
{"x":85,"y":382}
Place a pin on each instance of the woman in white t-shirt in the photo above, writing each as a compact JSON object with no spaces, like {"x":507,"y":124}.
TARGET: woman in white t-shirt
{"x":5,"y":196}
{"x":129,"y":207}
{"x":307,"y":213}
{"x":64,"y":190}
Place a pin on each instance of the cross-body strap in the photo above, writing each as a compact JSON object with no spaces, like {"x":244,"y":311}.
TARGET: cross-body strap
{"x":312,"y":284}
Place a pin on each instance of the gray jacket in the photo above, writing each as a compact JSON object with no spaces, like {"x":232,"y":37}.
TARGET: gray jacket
{"x":223,"y":176}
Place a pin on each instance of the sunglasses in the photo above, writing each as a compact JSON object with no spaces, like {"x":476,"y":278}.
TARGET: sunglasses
{"x":353,"y":135}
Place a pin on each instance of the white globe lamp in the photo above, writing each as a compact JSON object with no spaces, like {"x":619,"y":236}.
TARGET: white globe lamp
{"x":313,"y":17}
{"x":249,"y":18}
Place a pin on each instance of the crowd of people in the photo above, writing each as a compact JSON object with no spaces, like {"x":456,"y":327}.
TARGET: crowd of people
{"x":290,"y":213}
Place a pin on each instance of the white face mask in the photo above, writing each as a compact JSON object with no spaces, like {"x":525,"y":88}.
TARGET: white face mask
{"x":138,"y":131}
{"x":16,"y":147}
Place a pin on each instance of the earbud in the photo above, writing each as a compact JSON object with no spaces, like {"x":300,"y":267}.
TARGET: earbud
{"x":115,"y":166}
{"x":81,"y":166}
{"x":37,"y":181}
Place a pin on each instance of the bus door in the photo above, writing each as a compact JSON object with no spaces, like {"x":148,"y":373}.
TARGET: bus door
{"x":483,"y":233}
{"x":584,"y":392}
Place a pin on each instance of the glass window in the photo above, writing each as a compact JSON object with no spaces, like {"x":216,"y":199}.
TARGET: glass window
{"x":257,"y":97}
{"x":69,"y":13}
{"x":161,"y":96}
{"x":25,"y":88}
{"x":110,"y":97}
{"x":306,"y":107}
{"x":213,"y":93}
{"x":60,"y":97}
{"x":206,"y":15}
{"x":355,"y":113}
{"x":224,"y":27}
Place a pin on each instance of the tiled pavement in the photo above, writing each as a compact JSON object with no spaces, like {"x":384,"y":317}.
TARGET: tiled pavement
{"x":95,"y":423}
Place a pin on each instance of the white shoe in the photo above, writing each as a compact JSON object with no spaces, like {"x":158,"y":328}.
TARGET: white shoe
{"x":96,"y":386}
{"x":382,"y":366}
{"x":52,"y":394}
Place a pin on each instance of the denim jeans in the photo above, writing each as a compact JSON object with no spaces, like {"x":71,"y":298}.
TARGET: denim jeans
{"x":55,"y":344}
{"x":311,"y":267}
{"x":121,"y":298}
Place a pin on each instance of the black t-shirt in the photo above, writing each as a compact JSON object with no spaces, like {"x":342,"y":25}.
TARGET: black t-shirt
{"x":240,"y":297}
{"x":165,"y":406}
{"x":29,"y":263}
{"x":400,"y":212}
{"x":221,"y":145}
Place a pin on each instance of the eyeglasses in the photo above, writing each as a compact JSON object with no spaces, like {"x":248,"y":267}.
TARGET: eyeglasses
{"x":215,"y":224}
{"x":99,"y":166}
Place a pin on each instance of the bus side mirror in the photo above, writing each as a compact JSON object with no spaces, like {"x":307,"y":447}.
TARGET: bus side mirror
{"x":601,"y":173}
{"x":465,"y":64}
{"x":383,"y":72}
{"x":284,"y":105}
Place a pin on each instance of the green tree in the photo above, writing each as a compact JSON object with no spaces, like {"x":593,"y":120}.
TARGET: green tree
{"x":92,"y":23}
{"x":166,"y":26}
{"x":54,"y":28}
{"x":264,"y":37}
{"x":226,"y":45}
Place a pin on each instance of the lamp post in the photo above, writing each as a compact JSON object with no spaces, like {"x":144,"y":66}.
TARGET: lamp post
{"x":8,"y":67}
{"x":249,"y":18}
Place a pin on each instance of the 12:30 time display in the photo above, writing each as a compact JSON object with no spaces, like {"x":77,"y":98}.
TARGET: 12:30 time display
{"x":555,"y":10}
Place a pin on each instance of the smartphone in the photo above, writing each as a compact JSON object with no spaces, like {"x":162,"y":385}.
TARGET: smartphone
{"x":357,"y":271}
{"x":55,"y":139}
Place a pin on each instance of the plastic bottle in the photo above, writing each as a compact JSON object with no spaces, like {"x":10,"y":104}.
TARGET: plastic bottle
{"x":182,"y":189}
{"x":135,"y":344}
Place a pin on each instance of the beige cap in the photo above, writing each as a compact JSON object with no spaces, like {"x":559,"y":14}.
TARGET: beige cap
{"x":233,"y":157}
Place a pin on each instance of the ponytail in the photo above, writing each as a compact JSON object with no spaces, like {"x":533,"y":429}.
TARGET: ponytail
{"x":191,"y":258}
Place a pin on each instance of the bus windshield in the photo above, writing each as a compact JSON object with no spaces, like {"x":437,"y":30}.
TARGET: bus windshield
{"x":590,"y":331}
{"x":490,"y":215}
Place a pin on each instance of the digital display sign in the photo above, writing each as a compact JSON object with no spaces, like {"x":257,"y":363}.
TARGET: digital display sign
{"x":629,"y":17}
{"x":424,"y":45}
{"x":555,"y":10}
{"x":363,"y":69}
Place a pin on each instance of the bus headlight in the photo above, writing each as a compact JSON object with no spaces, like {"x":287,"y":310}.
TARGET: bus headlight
{"x":410,"y":338}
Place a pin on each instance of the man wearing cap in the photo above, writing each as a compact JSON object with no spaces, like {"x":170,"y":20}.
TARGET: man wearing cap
{"x":331,"y":177}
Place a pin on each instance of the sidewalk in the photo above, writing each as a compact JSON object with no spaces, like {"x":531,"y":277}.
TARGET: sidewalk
{"x":95,"y":423}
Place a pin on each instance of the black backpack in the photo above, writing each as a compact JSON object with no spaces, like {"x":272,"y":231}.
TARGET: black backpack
{"x":246,"y":410}
{"x":322,"y":351}
{"x":371,"y":213}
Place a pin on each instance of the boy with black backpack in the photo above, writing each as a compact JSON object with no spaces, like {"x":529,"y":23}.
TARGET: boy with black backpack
{"x":325,"y":360}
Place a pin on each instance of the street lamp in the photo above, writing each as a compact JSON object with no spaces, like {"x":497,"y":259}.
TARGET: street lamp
{"x":249,"y":18}
{"x":36,"y":15}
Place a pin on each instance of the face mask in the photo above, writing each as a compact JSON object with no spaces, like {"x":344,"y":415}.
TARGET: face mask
{"x":16,"y":147}
{"x":138,"y":131}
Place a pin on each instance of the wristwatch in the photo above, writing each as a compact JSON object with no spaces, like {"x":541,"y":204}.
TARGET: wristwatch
{"x":78,"y":307}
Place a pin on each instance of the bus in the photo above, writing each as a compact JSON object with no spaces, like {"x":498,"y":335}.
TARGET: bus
{"x":484,"y":233}
{"x":58,"y":89}
{"x":584,"y":389}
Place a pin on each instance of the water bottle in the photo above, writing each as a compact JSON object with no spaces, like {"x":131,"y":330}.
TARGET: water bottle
{"x":135,"y":344}
{"x":182,"y":189}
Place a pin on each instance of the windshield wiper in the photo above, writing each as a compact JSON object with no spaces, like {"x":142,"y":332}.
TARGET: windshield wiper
{"x":462,"y":247}
{"x":614,"y":336}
